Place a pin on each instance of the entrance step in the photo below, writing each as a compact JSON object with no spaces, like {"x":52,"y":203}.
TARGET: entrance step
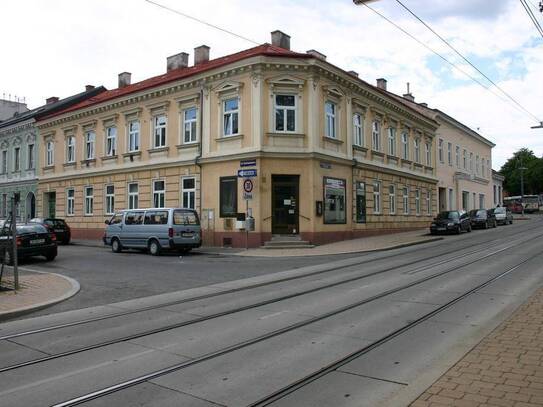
{"x":287,"y":242}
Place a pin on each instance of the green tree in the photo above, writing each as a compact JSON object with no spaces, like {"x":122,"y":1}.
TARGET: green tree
{"x":533,"y":180}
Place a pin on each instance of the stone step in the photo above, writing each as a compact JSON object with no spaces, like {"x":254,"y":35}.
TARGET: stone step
{"x":286,"y":238}
{"x":287,"y":244}
{"x":301,"y":246}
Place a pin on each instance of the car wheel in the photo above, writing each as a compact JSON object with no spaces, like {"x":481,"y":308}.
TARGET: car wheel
{"x":458,"y":230}
{"x":116,"y":246}
{"x":469,"y":228}
{"x":154,"y":248}
{"x":486,"y":225}
{"x":51,"y":256}
{"x":495,"y":224}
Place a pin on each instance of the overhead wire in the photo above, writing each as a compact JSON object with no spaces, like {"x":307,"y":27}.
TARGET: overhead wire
{"x":532,"y":16}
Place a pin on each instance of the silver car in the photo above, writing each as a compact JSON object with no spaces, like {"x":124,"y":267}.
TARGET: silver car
{"x":503,"y":216}
{"x":154,"y":229}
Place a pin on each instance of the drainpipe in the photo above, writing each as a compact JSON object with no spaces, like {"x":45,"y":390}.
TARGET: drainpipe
{"x":197,"y":159}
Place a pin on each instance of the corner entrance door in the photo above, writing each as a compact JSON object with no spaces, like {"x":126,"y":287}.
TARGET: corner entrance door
{"x":285,"y":204}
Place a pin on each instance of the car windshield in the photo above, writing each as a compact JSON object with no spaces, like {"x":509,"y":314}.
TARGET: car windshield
{"x":479,"y":213}
{"x":499,"y":210}
{"x":448,"y":215}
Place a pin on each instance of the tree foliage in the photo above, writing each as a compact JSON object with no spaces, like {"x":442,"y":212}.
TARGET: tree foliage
{"x":533,"y":173}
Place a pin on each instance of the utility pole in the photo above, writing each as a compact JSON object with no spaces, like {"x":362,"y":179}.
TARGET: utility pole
{"x":14,"y":203}
{"x":521,"y":168}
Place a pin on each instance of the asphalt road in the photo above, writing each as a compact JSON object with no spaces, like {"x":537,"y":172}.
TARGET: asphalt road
{"x":361,"y":331}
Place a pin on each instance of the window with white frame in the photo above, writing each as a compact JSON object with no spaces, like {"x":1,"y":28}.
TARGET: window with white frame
{"x":4,"y":161}
{"x":376,"y":135}
{"x":49,"y":153}
{"x":133,"y":195}
{"x":158,"y":193}
{"x":471,"y":162}
{"x":457,"y":157}
{"x":417,"y":201}
{"x":440,"y":150}
{"x":405,"y":200}
{"x":110,"y":199}
{"x":483,"y":168}
{"x":188,"y":192}
{"x":190,"y":117}
{"x":285,"y":113}
{"x":428,"y":147}
{"x":477,"y":165}
{"x":111,"y":141}
{"x":70,"y":149}
{"x":17,"y":159}
{"x":90,"y":142}
{"x":358,"y":130}
{"x":392,"y":141}
{"x":405,"y":145}
{"x":231,"y":117}
{"x":30,"y":157}
{"x":428,"y":202}
{"x":133,"y":136}
{"x":89,"y":200}
{"x":376,"y":197}
{"x":416,"y":148}
{"x":489,"y":169}
{"x":392,"y":199}
{"x":159,"y":131}
{"x":330,"y":110}
{"x":70,"y":202}
{"x":465,"y":159}
{"x":449,"y":153}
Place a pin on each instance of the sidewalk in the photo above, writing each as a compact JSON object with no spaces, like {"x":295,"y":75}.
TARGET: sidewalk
{"x":37,"y":290}
{"x":504,"y":369}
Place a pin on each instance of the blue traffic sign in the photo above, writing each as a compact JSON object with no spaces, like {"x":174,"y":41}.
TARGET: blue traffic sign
{"x":247,"y":163}
{"x":247,"y":173}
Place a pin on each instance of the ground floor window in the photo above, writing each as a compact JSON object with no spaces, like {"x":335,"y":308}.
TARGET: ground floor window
{"x":451,"y":199}
{"x":228,"y":197}
{"x":89,"y":200}
{"x":376,"y":197}
{"x":158,"y":194}
{"x":188,"y":192}
{"x":465,"y":200}
{"x":405,"y":200}
{"x":392,"y":199}
{"x":360,"y":202}
{"x":481,"y":201}
{"x":428,"y":202}
{"x":133,"y":195}
{"x":110,"y":199}
{"x":334,"y":200}
{"x":417,"y":201}
{"x":70,"y":202}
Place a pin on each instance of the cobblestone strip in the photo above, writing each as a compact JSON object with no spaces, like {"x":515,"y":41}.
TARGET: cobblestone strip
{"x":504,"y":370}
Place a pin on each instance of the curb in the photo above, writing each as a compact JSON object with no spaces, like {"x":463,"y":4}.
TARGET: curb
{"x":44,"y":304}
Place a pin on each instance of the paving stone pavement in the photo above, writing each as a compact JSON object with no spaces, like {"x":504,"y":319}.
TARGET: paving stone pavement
{"x":504,"y":370}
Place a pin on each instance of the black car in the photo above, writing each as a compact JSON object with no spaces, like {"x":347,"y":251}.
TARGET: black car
{"x":58,"y":226}
{"x":32,"y":240}
{"x":482,"y":218}
{"x":451,"y":221}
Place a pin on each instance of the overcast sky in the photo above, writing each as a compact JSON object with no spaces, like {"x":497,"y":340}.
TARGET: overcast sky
{"x":55,"y":47}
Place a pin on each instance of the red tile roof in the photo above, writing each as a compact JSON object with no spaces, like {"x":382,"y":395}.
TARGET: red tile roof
{"x":181,"y":73}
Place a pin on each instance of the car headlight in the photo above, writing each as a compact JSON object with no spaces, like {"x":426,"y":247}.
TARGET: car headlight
{"x":450,"y":224}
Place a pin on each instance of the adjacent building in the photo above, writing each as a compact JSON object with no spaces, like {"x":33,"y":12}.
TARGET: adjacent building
{"x":325,"y":156}
{"x":497,"y":188}
{"x":19,"y":153}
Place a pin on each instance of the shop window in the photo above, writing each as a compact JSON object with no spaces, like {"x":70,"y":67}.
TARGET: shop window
{"x":228,"y":197}
{"x":334,"y":200}
{"x":360,"y":202}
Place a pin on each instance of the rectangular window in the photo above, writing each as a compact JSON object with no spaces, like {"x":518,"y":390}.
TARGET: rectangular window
{"x":465,"y":200}
{"x":70,"y":202}
{"x":188,"y":193}
{"x":428,"y":154}
{"x":285,"y":113}
{"x":440,"y":150}
{"x":4,"y":205}
{"x":474,"y":201}
{"x":481,"y":201}
{"x":133,"y":136}
{"x":416,"y":147}
{"x":449,"y":153}
{"x":488,"y":168}
{"x":159,"y":131}
{"x":495,"y":191}
{"x":159,"y":190}
{"x":111,"y":141}
{"x":156,"y":218}
{"x":334,"y":200}
{"x":133,"y":195}
{"x":90,"y":141}
{"x":417,"y":201}
{"x":30,"y":156}
{"x":70,"y":149}
{"x":428,"y":202}
{"x":134,"y":218}
{"x":89,"y":200}
{"x":230,"y":117}
{"x":405,"y":200}
{"x":470,"y":162}
{"x":330,"y":117}
{"x":405,"y":146}
{"x":392,"y":141}
{"x":110,"y":199}
{"x":477,"y":165}
{"x":483,"y":168}
{"x":358,"y":130}
{"x":49,"y":153}
{"x":376,"y":197}
{"x":228,"y":197}
{"x":190,"y":117}
{"x":465,"y":158}
{"x":451,"y":200}
{"x":392,"y":199}
{"x":457,"y":157}
{"x":17,"y":159}
{"x":360,"y":202}
{"x":4,"y":161}
{"x":376,"y":135}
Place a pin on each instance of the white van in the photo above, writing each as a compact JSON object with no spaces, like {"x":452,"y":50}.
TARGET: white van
{"x":154,"y":229}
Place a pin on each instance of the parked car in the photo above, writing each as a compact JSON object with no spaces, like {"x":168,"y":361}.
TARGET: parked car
{"x":503,"y":216}
{"x":154,"y":229}
{"x":451,"y":221}
{"x":482,"y":218}
{"x":58,"y":226}
{"x":32,"y":240}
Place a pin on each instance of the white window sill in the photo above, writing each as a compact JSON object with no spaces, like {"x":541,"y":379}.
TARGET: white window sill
{"x":286,"y":134}
{"x":229,"y":138}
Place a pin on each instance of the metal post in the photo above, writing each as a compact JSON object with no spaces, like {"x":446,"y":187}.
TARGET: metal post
{"x":522,"y":186}
{"x":14,"y":242}
{"x":246,"y":228}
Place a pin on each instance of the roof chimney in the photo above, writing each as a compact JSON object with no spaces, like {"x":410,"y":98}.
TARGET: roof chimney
{"x":382,"y":83}
{"x":201,"y":54}
{"x":89,"y":87}
{"x":177,"y":61}
{"x":124,"y":79}
{"x":353,"y":73}
{"x":52,"y":99}
{"x":316,"y":54}
{"x":280,"y":39}
{"x":409,"y":96}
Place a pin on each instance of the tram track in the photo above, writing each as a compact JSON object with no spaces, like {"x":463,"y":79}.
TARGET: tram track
{"x":300,"y":383}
